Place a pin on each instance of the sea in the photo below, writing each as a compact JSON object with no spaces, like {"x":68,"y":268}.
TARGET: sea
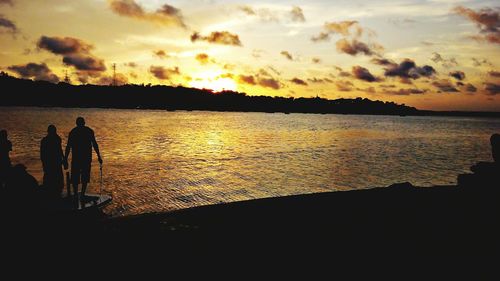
{"x":156,"y":161}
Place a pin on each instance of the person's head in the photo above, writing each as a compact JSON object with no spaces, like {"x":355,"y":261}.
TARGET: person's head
{"x":52,"y":130}
{"x":495,"y":147}
{"x":3,"y":134}
{"x":80,"y":122}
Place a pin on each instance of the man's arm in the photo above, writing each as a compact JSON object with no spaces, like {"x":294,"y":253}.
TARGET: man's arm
{"x":96,"y":147}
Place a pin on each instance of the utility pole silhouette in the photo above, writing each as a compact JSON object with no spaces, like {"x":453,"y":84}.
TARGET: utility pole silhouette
{"x":114,"y":75}
{"x":66,"y":77}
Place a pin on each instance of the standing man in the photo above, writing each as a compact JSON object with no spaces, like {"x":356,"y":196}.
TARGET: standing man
{"x":80,"y":141}
{"x":52,"y":158}
{"x":5,"y":165}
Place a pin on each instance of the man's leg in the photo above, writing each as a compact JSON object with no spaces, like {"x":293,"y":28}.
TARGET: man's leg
{"x":84,"y":188}
{"x":85,"y":178}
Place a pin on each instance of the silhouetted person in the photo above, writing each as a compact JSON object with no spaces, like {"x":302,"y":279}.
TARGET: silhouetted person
{"x":5,"y":165}
{"x":52,"y":158}
{"x":80,"y":142}
{"x":21,"y":186}
{"x":495,"y":148}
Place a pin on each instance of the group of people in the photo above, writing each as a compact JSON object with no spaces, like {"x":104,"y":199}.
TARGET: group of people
{"x":81,"y":140}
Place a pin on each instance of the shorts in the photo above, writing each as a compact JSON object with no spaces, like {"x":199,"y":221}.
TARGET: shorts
{"x":80,"y":172}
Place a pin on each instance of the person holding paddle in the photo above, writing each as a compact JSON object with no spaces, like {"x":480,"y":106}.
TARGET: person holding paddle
{"x":81,"y":140}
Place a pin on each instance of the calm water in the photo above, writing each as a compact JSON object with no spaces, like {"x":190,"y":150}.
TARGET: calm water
{"x":158,"y":160}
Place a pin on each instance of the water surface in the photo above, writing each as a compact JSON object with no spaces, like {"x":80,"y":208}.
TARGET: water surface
{"x":160,"y":161}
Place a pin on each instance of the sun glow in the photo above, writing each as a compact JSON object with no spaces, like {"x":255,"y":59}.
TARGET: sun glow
{"x":217,"y":85}
{"x":213,"y":80}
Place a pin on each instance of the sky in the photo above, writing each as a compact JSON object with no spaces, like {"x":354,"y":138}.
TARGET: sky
{"x":430,"y":54}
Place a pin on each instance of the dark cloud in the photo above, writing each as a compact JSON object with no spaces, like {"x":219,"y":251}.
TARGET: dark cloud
{"x":218,"y":37}
{"x":287,"y":55}
{"x":445,"y":86}
{"x":448,"y":63}
{"x":353,"y":47}
{"x":163,"y":73}
{"x":160,"y":54}
{"x":264,"y":72}
{"x":494,"y":73}
{"x":408,"y":69}
{"x":364,"y":74}
{"x":262,"y":79}
{"x":165,"y":15}
{"x":119,"y":79}
{"x":247,"y":79}
{"x":320,"y":80}
{"x":248,"y":10}
{"x":344,"y":86}
{"x":369,"y":90}
{"x":8,"y":25}
{"x":382,"y":61}
{"x":35,"y":71}
{"x":480,"y":62}
{"x":470,"y":88}
{"x":297,"y":14}
{"x":63,"y":45}
{"x":203,"y":58}
{"x":131,"y":64}
{"x":75,"y":52}
{"x":299,"y":81}
{"x":459,"y":75}
{"x":492,"y":88}
{"x":486,"y":19}
{"x":274,"y":70}
{"x":270,"y":83}
{"x":345,"y":74}
{"x":7,"y":2}
{"x":85,"y":62}
{"x":316,"y":60}
{"x":406,"y":92}
{"x":323,"y":36}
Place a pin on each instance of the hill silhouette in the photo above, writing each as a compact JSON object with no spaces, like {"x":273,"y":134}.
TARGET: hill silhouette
{"x":24,"y":92}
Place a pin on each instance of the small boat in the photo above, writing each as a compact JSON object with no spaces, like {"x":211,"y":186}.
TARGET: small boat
{"x":68,"y":204}
{"x":87,"y":202}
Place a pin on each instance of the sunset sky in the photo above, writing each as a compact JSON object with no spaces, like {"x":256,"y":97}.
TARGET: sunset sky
{"x":434,"y":54}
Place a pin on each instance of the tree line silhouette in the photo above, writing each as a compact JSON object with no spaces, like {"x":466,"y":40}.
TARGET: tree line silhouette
{"x":25,"y":92}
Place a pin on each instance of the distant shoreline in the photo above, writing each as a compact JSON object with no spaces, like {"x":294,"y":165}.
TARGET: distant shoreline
{"x":425,"y":113}
{"x":28,"y":93}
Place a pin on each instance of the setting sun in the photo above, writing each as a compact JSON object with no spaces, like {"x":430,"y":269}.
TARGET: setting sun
{"x":213,"y":80}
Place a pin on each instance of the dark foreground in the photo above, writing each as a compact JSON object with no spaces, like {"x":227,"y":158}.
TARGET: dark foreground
{"x":401,"y":225}
{"x":449,"y":229}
